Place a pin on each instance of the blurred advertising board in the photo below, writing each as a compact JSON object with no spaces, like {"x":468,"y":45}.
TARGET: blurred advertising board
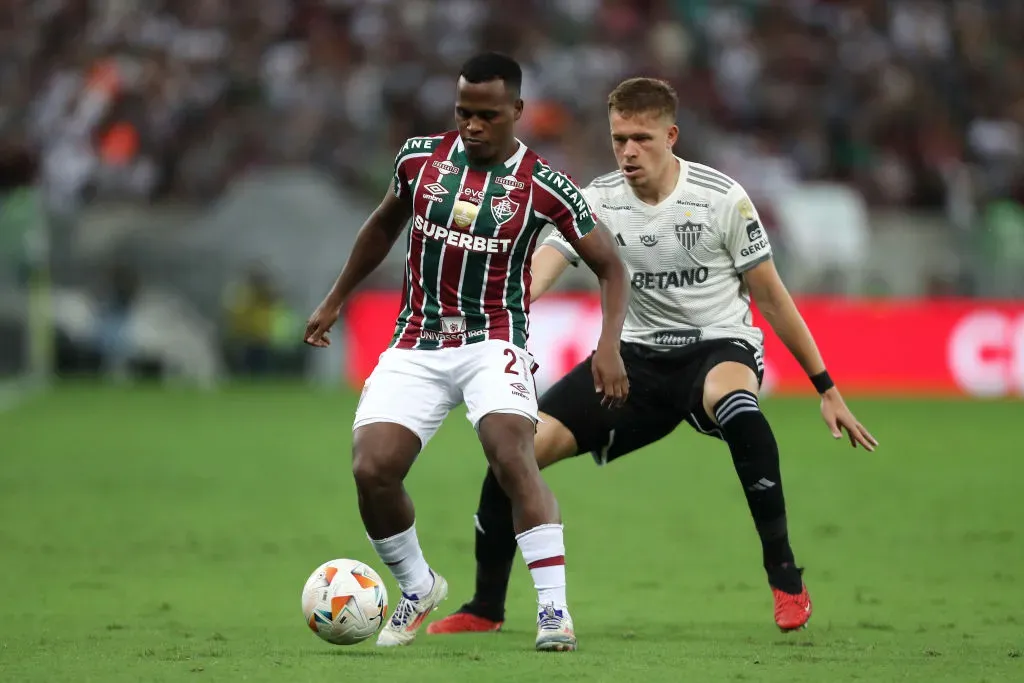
{"x":951,"y":347}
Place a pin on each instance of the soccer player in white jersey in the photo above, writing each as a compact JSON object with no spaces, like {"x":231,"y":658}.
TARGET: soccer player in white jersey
{"x":478,"y":199}
{"x":696,"y":252}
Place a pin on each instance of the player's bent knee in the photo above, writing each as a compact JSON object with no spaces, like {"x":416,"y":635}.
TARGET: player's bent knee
{"x":507,"y":439}
{"x":725,"y":378}
{"x":503,"y":430}
{"x":553,"y":442}
{"x":382,"y":454}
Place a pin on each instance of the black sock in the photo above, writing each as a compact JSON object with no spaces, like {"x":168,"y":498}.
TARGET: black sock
{"x":495,"y":550}
{"x":756,"y":458}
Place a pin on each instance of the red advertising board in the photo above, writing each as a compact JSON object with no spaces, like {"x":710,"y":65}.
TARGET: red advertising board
{"x":876,"y":346}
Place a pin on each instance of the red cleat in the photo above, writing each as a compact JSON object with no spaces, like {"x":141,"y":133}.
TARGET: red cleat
{"x":792,"y":609}
{"x":463,"y":622}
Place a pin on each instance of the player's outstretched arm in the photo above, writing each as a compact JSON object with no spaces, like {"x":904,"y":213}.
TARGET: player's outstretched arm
{"x":548,"y":266}
{"x":373,"y":243}
{"x":779,"y":309}
{"x":597,"y":249}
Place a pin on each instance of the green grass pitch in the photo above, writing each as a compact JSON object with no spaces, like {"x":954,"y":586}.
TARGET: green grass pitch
{"x":154,"y":535}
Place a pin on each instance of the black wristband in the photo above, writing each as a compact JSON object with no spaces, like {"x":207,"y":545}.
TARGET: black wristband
{"x":822,"y":382}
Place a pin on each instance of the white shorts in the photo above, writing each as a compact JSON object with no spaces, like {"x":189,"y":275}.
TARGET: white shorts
{"x":417,"y":388}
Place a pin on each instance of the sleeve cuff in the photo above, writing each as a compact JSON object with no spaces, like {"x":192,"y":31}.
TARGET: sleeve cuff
{"x":572,"y":257}
{"x":756,"y":262}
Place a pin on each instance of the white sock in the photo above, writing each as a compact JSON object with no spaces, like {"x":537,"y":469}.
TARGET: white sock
{"x":543,"y":549}
{"x":402,"y":554}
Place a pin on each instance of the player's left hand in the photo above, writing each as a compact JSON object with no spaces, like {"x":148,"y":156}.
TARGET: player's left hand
{"x":609,"y":376}
{"x":320,"y":323}
{"x":837,"y":416}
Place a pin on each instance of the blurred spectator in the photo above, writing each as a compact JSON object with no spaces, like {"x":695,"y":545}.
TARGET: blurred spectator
{"x":917,"y":103}
{"x":114,"y":346}
{"x":261,"y":331}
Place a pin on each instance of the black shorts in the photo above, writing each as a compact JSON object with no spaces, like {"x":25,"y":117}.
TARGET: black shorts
{"x":665,"y":389}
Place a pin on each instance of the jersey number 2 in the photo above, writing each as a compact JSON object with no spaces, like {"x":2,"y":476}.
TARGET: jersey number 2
{"x":511,"y":363}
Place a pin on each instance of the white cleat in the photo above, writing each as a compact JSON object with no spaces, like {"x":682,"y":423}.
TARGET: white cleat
{"x":410,"y":613}
{"x":555,"y":630}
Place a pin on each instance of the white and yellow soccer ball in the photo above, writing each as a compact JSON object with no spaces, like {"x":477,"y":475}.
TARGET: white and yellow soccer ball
{"x":344,"y":602}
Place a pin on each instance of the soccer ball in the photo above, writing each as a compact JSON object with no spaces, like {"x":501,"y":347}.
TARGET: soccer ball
{"x":344,"y":602}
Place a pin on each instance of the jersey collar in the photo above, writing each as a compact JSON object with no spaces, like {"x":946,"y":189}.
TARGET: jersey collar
{"x":671,"y":196}
{"x":509,"y":163}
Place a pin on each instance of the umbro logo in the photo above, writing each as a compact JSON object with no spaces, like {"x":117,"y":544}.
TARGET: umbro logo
{"x":436,"y":189}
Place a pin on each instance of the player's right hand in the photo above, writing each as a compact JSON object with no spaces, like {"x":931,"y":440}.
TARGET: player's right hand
{"x":610,"y":376}
{"x":320,"y":323}
{"x":838,"y":417}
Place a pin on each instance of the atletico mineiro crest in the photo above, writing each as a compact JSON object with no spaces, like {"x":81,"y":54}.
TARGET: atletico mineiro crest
{"x":688,"y":234}
{"x":503,"y":208}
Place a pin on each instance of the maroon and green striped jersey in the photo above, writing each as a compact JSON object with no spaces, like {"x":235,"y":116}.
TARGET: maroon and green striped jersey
{"x":471,"y":241}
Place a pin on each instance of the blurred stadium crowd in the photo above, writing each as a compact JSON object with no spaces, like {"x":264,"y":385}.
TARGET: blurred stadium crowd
{"x":916,"y":103}
{"x":914,"y":106}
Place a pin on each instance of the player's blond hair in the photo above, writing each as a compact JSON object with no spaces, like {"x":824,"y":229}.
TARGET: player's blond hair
{"x":644,"y":96}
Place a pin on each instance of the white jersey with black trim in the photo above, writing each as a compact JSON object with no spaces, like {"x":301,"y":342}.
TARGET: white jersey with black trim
{"x":685,"y":257}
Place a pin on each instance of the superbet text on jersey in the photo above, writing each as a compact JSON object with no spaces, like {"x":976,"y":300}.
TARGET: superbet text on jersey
{"x":467,"y":276}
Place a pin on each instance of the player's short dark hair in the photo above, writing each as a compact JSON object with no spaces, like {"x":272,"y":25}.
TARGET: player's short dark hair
{"x":644,"y":96}
{"x":491,"y":66}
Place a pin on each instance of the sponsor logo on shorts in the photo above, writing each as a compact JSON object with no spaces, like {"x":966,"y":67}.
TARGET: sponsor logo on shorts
{"x":677,"y":337}
{"x":520,"y":389}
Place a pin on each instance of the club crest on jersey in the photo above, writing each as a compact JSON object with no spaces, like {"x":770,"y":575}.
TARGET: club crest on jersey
{"x":446,"y":167}
{"x":688,"y":234}
{"x":503,"y":208}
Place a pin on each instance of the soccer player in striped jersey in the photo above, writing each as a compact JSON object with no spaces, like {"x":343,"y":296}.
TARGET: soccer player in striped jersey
{"x":478,"y":199}
{"x":696,"y":252}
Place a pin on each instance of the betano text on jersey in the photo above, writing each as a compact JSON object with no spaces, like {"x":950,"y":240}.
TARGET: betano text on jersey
{"x":685,"y":257}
